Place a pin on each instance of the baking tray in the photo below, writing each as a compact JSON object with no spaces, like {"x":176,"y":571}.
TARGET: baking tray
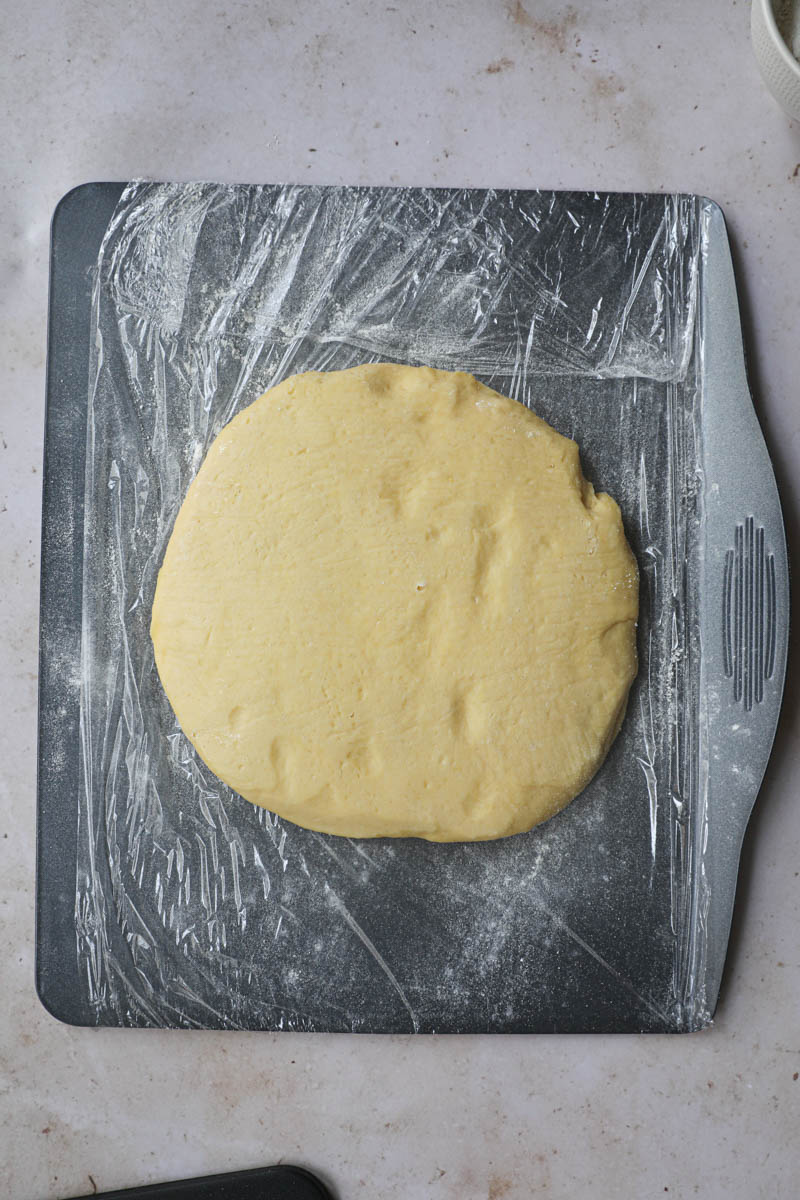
{"x":163,"y":898}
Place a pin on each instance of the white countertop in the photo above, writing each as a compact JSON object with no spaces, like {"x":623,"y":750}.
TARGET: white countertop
{"x":477,"y":92}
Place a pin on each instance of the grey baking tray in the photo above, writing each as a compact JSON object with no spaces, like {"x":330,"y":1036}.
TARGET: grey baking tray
{"x":163,"y":898}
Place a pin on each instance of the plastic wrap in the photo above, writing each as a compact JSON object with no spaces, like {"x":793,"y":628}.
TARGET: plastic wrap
{"x":195,"y":908}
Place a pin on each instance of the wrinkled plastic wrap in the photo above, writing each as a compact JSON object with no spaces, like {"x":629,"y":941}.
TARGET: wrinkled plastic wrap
{"x":195,"y":908}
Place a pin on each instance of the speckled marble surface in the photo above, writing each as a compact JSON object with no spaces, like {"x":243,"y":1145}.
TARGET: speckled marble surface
{"x":605,"y":95}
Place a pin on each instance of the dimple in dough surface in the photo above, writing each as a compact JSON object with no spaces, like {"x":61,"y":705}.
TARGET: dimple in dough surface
{"x":391,"y":605}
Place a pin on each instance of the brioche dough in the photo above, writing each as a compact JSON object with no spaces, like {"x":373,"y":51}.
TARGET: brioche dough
{"x":392,"y":606}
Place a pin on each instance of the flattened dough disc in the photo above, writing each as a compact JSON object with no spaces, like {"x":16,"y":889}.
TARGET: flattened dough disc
{"x":391,"y":605}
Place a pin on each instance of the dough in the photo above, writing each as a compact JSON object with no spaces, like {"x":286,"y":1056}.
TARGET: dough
{"x":392,"y":606}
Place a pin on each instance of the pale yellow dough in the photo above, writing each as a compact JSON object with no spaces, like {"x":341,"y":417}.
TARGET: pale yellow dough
{"x":392,"y":606}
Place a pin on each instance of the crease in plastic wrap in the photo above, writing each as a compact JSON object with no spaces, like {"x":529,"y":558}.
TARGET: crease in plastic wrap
{"x":195,"y":908}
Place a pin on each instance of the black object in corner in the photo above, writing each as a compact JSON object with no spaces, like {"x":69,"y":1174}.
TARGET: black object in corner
{"x":263,"y":1183}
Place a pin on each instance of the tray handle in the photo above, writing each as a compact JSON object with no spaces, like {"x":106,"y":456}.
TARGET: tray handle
{"x":744,"y":600}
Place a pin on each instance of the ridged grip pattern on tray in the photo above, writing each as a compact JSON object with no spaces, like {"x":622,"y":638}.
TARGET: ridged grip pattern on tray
{"x":749,"y":602}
